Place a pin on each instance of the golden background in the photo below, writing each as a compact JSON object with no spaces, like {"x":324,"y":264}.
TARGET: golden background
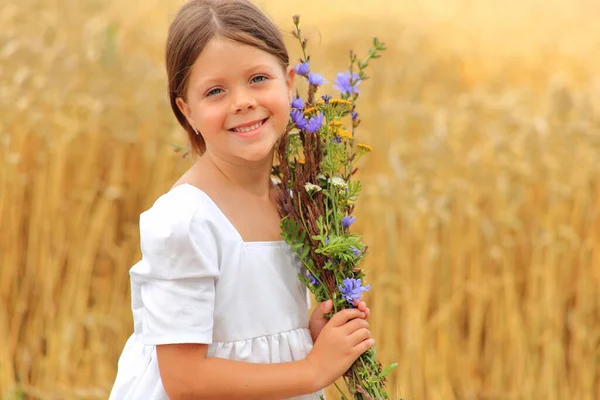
{"x":480,"y":204}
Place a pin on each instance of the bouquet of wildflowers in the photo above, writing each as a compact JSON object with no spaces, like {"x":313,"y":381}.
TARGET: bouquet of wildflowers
{"x":317,"y":157}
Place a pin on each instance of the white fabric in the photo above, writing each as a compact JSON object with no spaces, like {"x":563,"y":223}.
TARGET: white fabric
{"x":199,"y":282}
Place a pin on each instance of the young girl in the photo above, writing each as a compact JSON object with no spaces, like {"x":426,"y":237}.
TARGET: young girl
{"x":218,"y":309}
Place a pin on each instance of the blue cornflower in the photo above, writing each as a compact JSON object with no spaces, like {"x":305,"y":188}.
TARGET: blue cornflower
{"x":302,"y":69}
{"x":336,"y":139}
{"x":326,"y":98}
{"x":315,"y":79}
{"x":354,"y":115}
{"x":314,"y":123}
{"x":346,"y":84}
{"x":347,"y":221}
{"x":352,"y":289}
{"x":298,"y":103}
{"x":299,"y":119}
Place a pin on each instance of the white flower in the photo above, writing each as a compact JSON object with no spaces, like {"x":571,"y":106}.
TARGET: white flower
{"x":311,"y":187}
{"x":321,"y":177}
{"x":337,"y":181}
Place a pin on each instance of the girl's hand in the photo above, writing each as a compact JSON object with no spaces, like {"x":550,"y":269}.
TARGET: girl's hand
{"x":342,"y":340}
{"x":318,"y":320}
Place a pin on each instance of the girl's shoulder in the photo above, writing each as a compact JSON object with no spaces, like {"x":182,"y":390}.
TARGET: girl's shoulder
{"x":181,"y":211}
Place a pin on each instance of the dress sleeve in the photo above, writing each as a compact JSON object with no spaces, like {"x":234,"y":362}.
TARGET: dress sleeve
{"x":178,"y":274}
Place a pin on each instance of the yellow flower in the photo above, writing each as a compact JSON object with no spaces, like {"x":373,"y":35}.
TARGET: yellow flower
{"x":340,"y":101}
{"x":301,"y":159}
{"x":310,"y":110}
{"x":344,"y":134}
{"x":320,"y":102}
{"x":335,"y":123}
{"x":364,"y":147}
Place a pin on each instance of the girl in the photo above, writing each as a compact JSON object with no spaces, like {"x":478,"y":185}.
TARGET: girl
{"x":218,"y":310}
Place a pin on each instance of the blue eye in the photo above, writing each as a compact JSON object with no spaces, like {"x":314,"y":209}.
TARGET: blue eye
{"x":258,"y":78}
{"x":213,"y":92}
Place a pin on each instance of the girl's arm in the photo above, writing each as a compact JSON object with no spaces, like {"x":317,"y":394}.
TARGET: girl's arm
{"x":187,"y":373}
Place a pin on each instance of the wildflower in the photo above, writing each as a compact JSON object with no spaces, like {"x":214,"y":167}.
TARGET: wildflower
{"x":336,"y":140}
{"x":352,"y":289}
{"x":301,"y":159}
{"x":312,"y":188}
{"x":326,"y":98}
{"x":347,"y":221}
{"x":303,"y":68}
{"x":312,"y":279}
{"x":298,"y":119}
{"x":335,"y":123}
{"x":354,"y":115}
{"x":338,"y":182}
{"x":315,"y":79}
{"x":321,"y":177}
{"x":340,"y":101}
{"x":364,"y":147}
{"x":346,"y":84}
{"x":310,"y":110}
{"x":297,"y":103}
{"x":314,"y":123}
{"x":344,"y":134}
{"x":355,"y":251}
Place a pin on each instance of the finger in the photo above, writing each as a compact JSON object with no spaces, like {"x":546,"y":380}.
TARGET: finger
{"x":360,"y":336}
{"x":367,"y":312}
{"x":326,"y":306}
{"x":341,"y":317}
{"x":364,"y":346}
{"x":354,"y":325}
{"x":362,"y":306}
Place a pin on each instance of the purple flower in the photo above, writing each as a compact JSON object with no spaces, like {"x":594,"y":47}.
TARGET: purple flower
{"x":298,"y":103}
{"x":312,"y":279}
{"x":302,"y":69}
{"x":355,"y":251}
{"x":314,"y":123}
{"x":326,"y":98}
{"x":299,"y":119}
{"x":354,"y":115}
{"x":336,"y":139}
{"x":352,"y":289}
{"x":315,"y":79}
{"x":346,"y":84}
{"x":347,"y":221}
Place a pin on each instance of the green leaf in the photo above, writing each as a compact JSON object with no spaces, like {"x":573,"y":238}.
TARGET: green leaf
{"x":387,"y":370}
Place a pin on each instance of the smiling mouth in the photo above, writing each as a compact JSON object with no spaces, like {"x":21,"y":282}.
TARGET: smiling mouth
{"x":249,"y":128}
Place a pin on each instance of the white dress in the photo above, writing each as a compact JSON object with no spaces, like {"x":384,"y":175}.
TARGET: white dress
{"x":199,"y":282}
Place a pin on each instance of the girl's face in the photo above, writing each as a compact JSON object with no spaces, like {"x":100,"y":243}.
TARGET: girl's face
{"x":238,"y":98}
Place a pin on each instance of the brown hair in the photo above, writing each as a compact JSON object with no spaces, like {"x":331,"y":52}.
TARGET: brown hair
{"x":195,"y":24}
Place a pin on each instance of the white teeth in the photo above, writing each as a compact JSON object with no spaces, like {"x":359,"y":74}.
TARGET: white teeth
{"x":248,"y":128}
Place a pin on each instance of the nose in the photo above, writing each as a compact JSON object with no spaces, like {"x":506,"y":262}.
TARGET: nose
{"x":243,"y":101}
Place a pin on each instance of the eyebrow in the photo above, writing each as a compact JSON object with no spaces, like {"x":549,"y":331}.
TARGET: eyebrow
{"x":211,"y":81}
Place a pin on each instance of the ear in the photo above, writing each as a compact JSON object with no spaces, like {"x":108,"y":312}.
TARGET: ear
{"x":290,"y":75}
{"x":185,"y":110}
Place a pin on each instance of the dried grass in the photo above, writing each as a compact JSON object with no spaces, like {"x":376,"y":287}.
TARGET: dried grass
{"x":481,"y":201}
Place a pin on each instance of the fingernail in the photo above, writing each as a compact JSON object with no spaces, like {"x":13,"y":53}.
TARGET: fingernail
{"x":363,"y":314}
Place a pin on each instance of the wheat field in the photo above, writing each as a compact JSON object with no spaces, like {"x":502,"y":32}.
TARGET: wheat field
{"x":481,"y":202}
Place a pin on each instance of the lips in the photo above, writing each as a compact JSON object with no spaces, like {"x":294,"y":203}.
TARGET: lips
{"x":248,"y":127}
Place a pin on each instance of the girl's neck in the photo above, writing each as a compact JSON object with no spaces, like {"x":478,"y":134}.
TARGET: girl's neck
{"x":250,"y":178}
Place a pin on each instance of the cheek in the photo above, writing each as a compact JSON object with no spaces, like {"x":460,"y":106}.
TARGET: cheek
{"x":280,"y":107}
{"x":209,"y":118}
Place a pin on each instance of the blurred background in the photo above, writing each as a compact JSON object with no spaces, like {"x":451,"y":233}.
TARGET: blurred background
{"x":481,"y":201}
